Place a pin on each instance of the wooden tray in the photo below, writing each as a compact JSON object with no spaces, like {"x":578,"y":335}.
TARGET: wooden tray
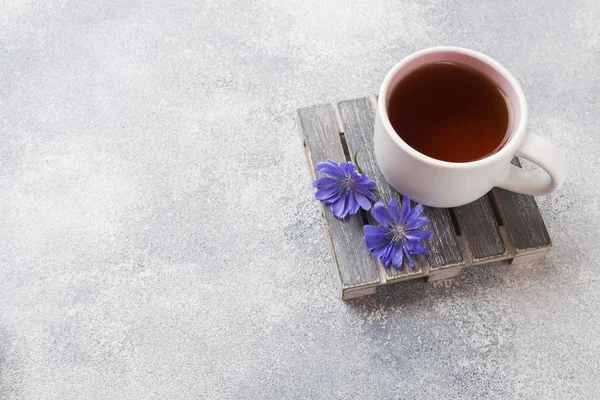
{"x":499,"y":226}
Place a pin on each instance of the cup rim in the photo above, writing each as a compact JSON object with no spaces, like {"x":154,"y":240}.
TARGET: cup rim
{"x":519,"y":129}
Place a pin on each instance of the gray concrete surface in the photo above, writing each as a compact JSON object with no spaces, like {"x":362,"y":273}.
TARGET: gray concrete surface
{"x":159,"y":238}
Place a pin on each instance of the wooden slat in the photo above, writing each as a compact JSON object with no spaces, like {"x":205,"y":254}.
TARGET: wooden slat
{"x":445,"y":250}
{"x":522,"y":219}
{"x":355,"y":266}
{"x":357,"y":117}
{"x":479,"y":228}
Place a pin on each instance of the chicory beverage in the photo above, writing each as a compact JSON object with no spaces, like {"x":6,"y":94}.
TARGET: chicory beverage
{"x":450,"y":112}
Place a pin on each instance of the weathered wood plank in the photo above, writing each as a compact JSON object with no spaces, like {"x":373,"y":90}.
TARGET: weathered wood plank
{"x":444,"y":246}
{"x":438,"y":274}
{"x":355,"y":266}
{"x":357,"y":117}
{"x":521,"y":216}
{"x":479,"y":228}
{"x":352,"y":294}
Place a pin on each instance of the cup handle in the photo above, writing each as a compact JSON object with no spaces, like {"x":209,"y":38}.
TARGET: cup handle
{"x":544,"y":154}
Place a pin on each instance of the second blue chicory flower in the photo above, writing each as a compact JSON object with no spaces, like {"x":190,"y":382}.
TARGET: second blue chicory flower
{"x":399,"y":235}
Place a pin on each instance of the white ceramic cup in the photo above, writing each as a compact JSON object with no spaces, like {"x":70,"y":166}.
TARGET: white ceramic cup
{"x":439,"y":183}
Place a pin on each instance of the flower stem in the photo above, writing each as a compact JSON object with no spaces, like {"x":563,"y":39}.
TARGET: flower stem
{"x":355,"y":161}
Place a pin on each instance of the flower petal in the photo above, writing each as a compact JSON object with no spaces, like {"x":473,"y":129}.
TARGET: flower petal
{"x":415,"y":247}
{"x":414,"y":214}
{"x":393,"y":208}
{"x":418,"y":234}
{"x":397,"y":257}
{"x":325,"y":181}
{"x":380,"y":213}
{"x":405,"y":209}
{"x":330,"y":167}
{"x":339,"y":206}
{"x":408,"y":258}
{"x":365,"y":192}
{"x":362,"y":200}
{"x":363,"y":180}
{"x":386,"y":257}
{"x":378,"y":252}
{"x":326,"y":193}
{"x":352,"y":204}
{"x":373,"y":244}
{"x":375,"y":236}
{"x":417,"y":223}
{"x":375,"y":230}
{"x":348,"y":168}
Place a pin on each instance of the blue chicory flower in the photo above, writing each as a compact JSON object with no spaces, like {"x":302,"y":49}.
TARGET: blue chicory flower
{"x":345,"y":189}
{"x":400,"y":234}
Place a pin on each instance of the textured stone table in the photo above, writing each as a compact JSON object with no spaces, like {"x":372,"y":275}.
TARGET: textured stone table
{"x":159,"y":237}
